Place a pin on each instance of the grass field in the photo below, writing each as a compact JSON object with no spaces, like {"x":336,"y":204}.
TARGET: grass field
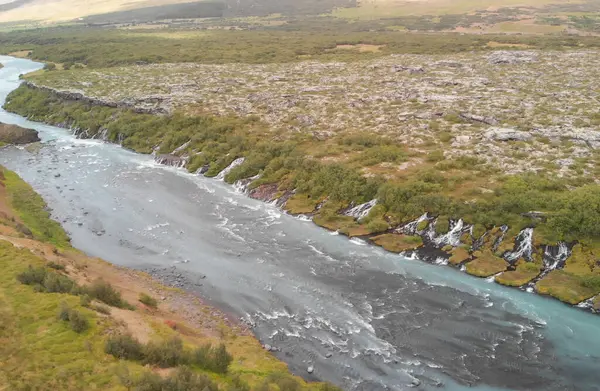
{"x":376,"y":9}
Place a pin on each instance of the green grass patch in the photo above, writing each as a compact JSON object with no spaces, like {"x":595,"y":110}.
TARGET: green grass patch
{"x":486,"y":264}
{"x":32,"y":211}
{"x":397,"y":243}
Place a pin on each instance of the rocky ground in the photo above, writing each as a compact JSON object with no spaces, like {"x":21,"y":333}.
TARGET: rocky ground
{"x":502,"y":106}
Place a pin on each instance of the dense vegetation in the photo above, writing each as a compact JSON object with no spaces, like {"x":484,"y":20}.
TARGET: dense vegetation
{"x":112,"y":47}
{"x":571,"y":209}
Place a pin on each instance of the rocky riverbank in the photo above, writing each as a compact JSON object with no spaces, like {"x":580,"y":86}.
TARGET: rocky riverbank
{"x":509,"y":256}
{"x":145,"y":309}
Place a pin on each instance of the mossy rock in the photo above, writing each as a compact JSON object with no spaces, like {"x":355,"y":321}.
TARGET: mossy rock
{"x":301,"y":204}
{"x":447,"y":248}
{"x":355,"y":230}
{"x":596,"y":303}
{"x":442,"y":225}
{"x":478,"y":231}
{"x":466,"y":238}
{"x":397,"y":243}
{"x":422,"y":225}
{"x":525,"y":272}
{"x":506,"y":245}
{"x":459,"y":255}
{"x":565,"y":287}
{"x":334,"y":223}
{"x":486,"y":264}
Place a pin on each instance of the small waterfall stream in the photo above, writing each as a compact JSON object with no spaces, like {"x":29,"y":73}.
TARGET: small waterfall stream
{"x":230,"y":167}
{"x":361,"y":211}
{"x":452,"y":237}
{"x":523,"y":246}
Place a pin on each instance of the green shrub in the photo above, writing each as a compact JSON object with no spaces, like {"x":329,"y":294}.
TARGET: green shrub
{"x":124,"y":346}
{"x":592,"y":282}
{"x":100,"y":308}
{"x":104,"y":292}
{"x":48,"y":281}
{"x":57,"y":283}
{"x":63,"y":312}
{"x":56,"y":266}
{"x":78,"y":321}
{"x":165,"y":354}
{"x":32,"y":276}
{"x":215,"y":359}
{"x":148,"y":300}
{"x":85,"y":300}
{"x":221,"y":359}
{"x":378,"y":225}
{"x":182,"y":380}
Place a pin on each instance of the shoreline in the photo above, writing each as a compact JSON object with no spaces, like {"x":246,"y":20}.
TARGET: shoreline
{"x":483,"y":261}
{"x":171,"y":313}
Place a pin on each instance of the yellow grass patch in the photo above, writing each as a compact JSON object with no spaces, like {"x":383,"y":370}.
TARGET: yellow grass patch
{"x":361,"y":47}
{"x":496,"y":45}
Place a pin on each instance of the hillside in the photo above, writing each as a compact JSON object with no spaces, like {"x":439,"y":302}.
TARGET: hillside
{"x":535,"y":17}
{"x":71,"y":322}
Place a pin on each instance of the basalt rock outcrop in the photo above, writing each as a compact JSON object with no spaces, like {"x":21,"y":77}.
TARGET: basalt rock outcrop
{"x":14,"y":134}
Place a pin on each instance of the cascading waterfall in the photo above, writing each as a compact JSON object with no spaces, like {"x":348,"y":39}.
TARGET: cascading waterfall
{"x":480,"y":241}
{"x":242,"y":184}
{"x":230,"y":167}
{"x":362,"y":210}
{"x":170,"y":160}
{"x":589,"y":304}
{"x":555,"y":257}
{"x":181,"y":148}
{"x":452,"y":237}
{"x":524,"y":246}
{"x":430,"y":231}
{"x":411,"y":228}
{"x":503,"y":229}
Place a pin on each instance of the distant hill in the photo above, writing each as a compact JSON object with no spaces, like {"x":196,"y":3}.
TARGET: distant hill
{"x":122,"y":11}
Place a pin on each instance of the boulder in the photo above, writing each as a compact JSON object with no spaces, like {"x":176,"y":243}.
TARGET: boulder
{"x":506,"y":134}
{"x":512,"y":57}
{"x":479,"y":118}
{"x":14,"y":134}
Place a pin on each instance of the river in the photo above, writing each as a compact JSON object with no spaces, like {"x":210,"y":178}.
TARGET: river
{"x":364,"y":318}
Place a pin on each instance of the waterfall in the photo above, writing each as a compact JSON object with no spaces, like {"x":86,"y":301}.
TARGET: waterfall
{"x":452,"y":237}
{"x":588,"y":304}
{"x":242,"y":184}
{"x":411,"y":228}
{"x":555,"y":257}
{"x":362,"y":210}
{"x":170,"y":160}
{"x":480,"y":241}
{"x":230,"y":167}
{"x":181,"y":148}
{"x":523,"y":246}
{"x":503,"y":229}
{"x":430,"y":231}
